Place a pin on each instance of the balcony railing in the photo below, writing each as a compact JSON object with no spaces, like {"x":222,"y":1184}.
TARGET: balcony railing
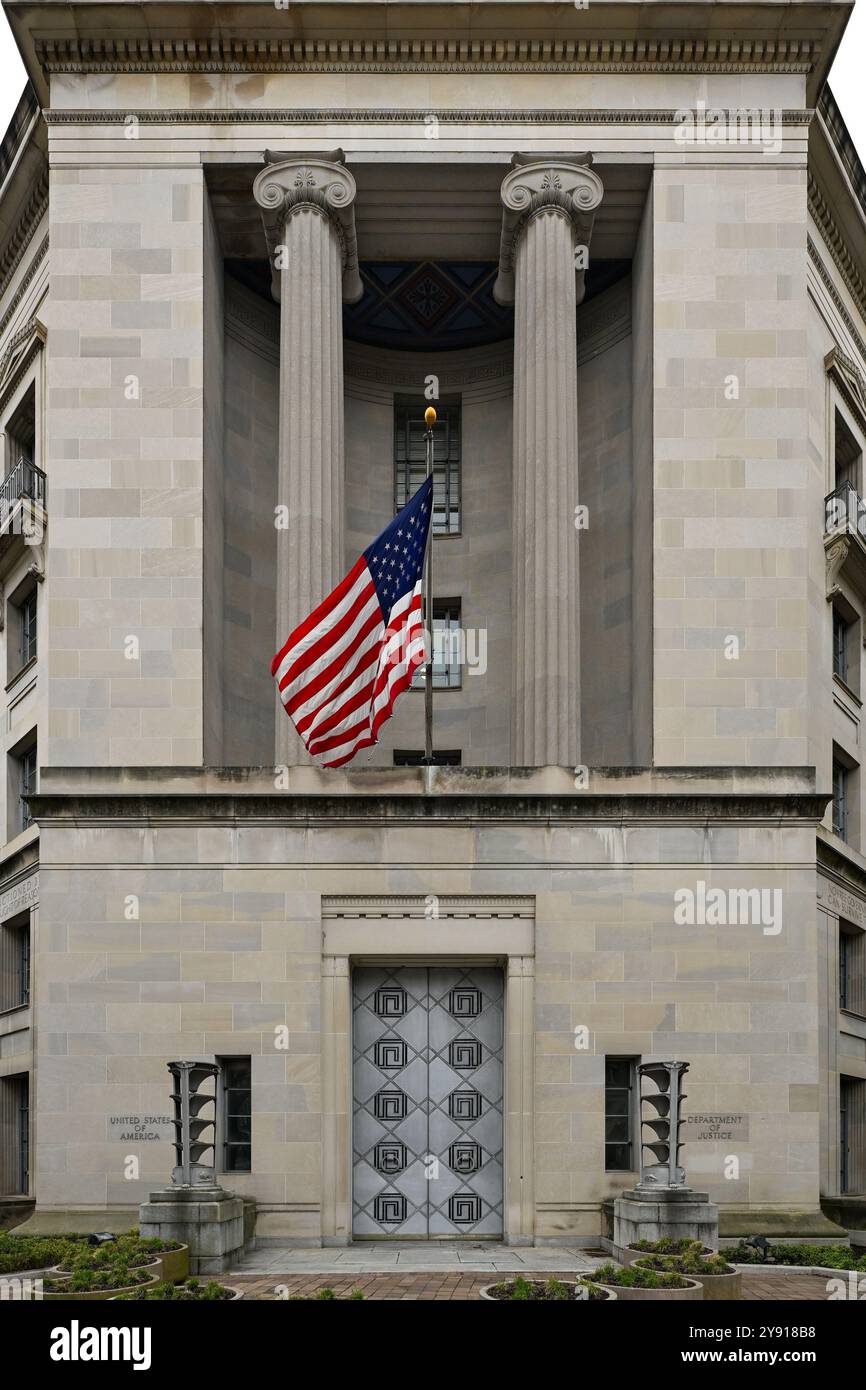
{"x":22,"y":499}
{"x":845,"y":511}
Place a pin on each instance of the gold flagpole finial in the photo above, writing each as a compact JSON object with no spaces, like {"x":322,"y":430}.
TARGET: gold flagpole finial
{"x":430,"y":417}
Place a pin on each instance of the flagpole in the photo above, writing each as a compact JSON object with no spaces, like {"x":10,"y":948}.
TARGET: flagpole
{"x":430,"y":421}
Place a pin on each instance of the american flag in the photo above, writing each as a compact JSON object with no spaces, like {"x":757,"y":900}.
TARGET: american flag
{"x":341,"y":670}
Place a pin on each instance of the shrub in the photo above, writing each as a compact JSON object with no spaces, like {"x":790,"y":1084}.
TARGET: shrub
{"x":190,"y":1291}
{"x":84,"y":1280}
{"x":692,"y":1264}
{"x":106,"y":1257}
{"x":636,"y":1278}
{"x":826,"y":1256}
{"x":667,"y":1246}
{"x":32,"y":1252}
{"x":520,"y":1290}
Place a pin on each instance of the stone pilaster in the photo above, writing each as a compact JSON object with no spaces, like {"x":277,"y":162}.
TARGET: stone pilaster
{"x":309,"y":223}
{"x":548,"y":213}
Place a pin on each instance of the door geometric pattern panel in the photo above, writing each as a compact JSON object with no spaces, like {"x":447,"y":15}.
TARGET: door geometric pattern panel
{"x":427,"y":1086}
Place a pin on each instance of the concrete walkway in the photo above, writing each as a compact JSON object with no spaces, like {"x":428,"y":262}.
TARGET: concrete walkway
{"x":420,"y":1257}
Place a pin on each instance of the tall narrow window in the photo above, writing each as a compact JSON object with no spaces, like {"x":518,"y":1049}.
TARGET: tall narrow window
{"x":28,"y":784}
{"x":236,"y":1113}
{"x":852,"y":1134}
{"x":840,"y":799}
{"x":15,"y":962}
{"x":852,"y":968}
{"x":840,"y":645}
{"x":28,"y":627}
{"x":24,"y":1134}
{"x":619,"y":1114}
{"x":15,"y":1135}
{"x":848,"y":454}
{"x":410,"y":459}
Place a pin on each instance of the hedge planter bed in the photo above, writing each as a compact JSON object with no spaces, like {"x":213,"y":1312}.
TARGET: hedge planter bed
{"x":190,"y":1292}
{"x":796,"y":1259}
{"x":665,"y":1246}
{"x":96,"y":1285}
{"x":645,"y":1285}
{"x":522,"y":1290}
{"x":720,"y":1280}
{"x":36,"y":1254}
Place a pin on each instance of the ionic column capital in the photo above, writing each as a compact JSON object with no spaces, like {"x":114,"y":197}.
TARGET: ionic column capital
{"x":290,"y":183}
{"x":567,"y":187}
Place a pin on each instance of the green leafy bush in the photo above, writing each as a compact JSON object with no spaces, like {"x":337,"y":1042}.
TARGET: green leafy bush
{"x":190,"y":1291}
{"x":34,"y":1252}
{"x":823,"y":1256}
{"x":83,"y":1280}
{"x":668,"y":1246}
{"x":692,"y":1264}
{"x":636,"y":1278}
{"x":520,"y":1290}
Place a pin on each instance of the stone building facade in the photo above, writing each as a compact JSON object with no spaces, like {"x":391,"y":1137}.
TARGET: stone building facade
{"x":623,"y":249}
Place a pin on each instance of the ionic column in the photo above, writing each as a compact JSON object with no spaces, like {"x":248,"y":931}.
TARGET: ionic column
{"x":310,"y":229}
{"x":548,"y":213}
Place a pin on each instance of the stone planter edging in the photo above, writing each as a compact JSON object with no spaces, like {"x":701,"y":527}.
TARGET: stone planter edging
{"x":693,"y":1293}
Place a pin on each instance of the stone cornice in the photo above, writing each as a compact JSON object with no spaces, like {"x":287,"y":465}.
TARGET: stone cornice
{"x":38,"y":257}
{"x":831,"y":234}
{"x":402,"y":905}
{"x":397,"y":115}
{"x":20,"y":351}
{"x":315,"y":810}
{"x":827,"y":281}
{"x":23,"y":232}
{"x":849,"y":379}
{"x":287,"y":184}
{"x":661,"y":53}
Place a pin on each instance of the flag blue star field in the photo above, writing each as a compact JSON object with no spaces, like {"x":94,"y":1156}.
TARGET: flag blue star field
{"x":342,"y":669}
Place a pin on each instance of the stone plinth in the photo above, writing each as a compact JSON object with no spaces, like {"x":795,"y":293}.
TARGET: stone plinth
{"x":207,"y":1219}
{"x":672,"y":1214}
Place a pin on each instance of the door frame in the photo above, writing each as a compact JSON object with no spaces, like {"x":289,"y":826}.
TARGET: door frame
{"x":352,"y":938}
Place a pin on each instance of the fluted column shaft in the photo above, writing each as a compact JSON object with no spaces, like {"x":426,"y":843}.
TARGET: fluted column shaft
{"x":548,"y":217}
{"x":311,"y":203}
{"x":546,"y":617}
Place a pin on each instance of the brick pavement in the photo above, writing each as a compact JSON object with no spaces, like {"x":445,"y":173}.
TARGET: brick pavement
{"x":434,"y":1286}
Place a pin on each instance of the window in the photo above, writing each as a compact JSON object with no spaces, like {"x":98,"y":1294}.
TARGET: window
{"x":21,"y":646}
{"x":410,"y":459}
{"x":21,"y":432}
{"x":414,"y":757}
{"x":28,"y":628}
{"x":852,"y":968}
{"x":447,"y":648}
{"x":852,"y":1134}
{"x":14,"y":1135}
{"x":15,"y":962}
{"x":848,"y":454}
{"x":840,"y":799}
{"x":840,"y":645}
{"x":236,"y":1113}
{"x":619,"y":1114}
{"x":28,"y":784}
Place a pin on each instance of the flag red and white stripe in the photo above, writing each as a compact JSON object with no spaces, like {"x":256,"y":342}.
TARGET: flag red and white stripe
{"x":341,"y":671}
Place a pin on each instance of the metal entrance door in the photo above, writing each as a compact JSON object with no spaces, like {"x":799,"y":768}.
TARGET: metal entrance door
{"x":427,"y":1060}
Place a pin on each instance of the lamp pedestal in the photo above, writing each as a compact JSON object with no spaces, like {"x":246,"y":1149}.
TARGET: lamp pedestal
{"x":208,"y":1219}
